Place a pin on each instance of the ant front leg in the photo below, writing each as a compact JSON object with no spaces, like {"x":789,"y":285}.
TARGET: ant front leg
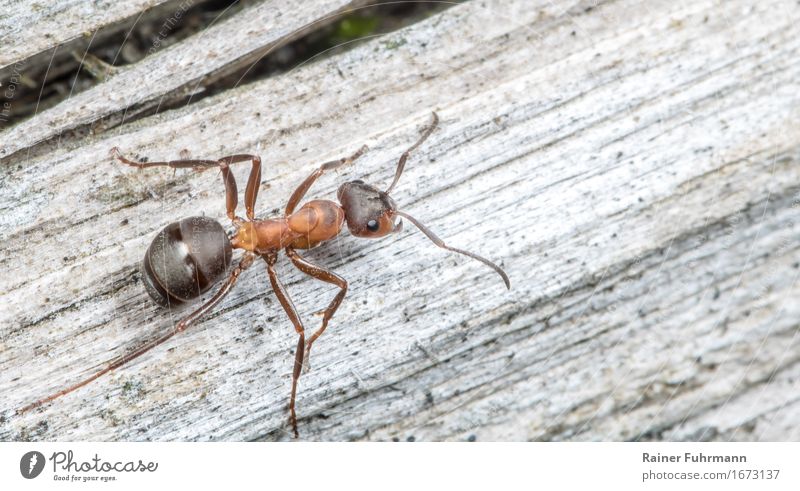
{"x":301,"y":190}
{"x":291,"y":311}
{"x":231,"y":191}
{"x":401,"y":164}
{"x":327,"y":276}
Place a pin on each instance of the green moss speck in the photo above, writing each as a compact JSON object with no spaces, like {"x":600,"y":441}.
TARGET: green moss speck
{"x":394,"y":43}
{"x":354,"y":27}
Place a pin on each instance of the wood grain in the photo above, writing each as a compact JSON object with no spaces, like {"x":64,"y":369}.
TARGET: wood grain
{"x":28,"y":29}
{"x":174,"y":73}
{"x":634,"y":167}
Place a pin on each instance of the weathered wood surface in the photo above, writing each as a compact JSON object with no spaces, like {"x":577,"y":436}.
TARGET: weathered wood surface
{"x":176,"y":72}
{"x":28,"y":29}
{"x":634,"y":167}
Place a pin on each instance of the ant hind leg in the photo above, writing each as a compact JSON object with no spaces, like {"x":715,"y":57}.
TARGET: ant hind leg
{"x":224,"y":163}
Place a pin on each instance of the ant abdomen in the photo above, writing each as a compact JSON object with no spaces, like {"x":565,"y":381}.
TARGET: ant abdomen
{"x":185,"y":259}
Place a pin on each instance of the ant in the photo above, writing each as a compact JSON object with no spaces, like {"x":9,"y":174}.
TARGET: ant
{"x":188,"y":257}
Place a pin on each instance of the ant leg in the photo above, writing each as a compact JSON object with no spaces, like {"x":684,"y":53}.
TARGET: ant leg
{"x":253,"y":183}
{"x":402,"y":162}
{"x":231,"y":191}
{"x":181,"y":326}
{"x":327,"y":276}
{"x":291,"y":311}
{"x":301,"y":190}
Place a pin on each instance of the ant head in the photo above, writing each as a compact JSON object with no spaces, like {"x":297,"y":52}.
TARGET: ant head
{"x":369,"y":212}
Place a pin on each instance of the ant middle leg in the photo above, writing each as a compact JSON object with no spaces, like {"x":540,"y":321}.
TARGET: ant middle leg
{"x":322,"y":274}
{"x":291,"y":311}
{"x":301,"y":190}
{"x":224,"y":163}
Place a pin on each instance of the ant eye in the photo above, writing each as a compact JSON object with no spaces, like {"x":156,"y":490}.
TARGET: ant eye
{"x":372,"y":225}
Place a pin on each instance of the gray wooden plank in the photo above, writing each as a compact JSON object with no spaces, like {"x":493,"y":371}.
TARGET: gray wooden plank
{"x":28,"y":28}
{"x":176,"y":71}
{"x":633,"y":167}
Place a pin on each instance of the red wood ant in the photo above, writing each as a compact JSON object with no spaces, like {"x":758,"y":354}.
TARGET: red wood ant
{"x":188,"y":257}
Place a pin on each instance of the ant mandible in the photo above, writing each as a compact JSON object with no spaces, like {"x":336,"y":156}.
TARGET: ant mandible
{"x":188,"y":257}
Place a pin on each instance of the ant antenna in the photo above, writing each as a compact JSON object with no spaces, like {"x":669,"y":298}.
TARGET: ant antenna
{"x":439,"y":242}
{"x":402,"y":163}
